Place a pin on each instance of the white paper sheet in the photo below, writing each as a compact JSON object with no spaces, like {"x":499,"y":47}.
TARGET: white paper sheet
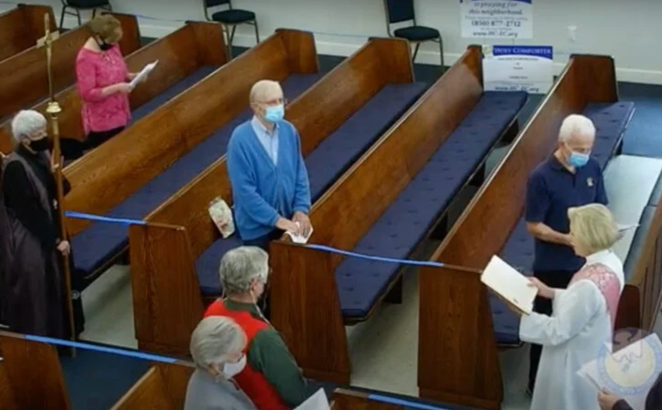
{"x":509,"y":284}
{"x":633,"y":368}
{"x":300,"y":238}
{"x":317,"y":401}
{"x":143,"y":73}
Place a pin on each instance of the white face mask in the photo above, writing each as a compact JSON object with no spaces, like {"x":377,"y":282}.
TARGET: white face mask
{"x":232,"y":369}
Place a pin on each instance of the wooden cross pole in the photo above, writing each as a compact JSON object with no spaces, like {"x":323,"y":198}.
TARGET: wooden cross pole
{"x":53,"y":110}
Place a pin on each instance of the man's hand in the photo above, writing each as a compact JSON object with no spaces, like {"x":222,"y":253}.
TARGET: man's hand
{"x":64,"y":247}
{"x":304,"y":223}
{"x":288,"y":226}
{"x":544,"y":291}
{"x":606,"y":400}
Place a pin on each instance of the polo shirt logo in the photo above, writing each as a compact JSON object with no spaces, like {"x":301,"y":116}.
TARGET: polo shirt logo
{"x":589,"y":181}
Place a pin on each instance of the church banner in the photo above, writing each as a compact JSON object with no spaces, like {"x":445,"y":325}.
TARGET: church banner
{"x":518,"y":68}
{"x":511,"y":19}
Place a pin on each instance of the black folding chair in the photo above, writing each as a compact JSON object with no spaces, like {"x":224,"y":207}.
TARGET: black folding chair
{"x":78,"y":5}
{"x":399,"y":11}
{"x":230,"y":18}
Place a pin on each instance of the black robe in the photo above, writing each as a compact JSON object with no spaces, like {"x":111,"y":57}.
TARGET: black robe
{"x":32,"y":285}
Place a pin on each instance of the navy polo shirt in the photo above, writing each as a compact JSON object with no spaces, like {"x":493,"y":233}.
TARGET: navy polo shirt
{"x":551,"y":190}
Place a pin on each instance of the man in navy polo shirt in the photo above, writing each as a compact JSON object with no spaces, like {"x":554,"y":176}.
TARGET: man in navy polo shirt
{"x":567,"y":179}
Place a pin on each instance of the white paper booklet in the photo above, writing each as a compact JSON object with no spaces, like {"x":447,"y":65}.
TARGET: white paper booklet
{"x":222,"y":216}
{"x":629,"y":373}
{"x":143,"y":73}
{"x":317,"y":401}
{"x":300,"y":238}
{"x":509,"y":284}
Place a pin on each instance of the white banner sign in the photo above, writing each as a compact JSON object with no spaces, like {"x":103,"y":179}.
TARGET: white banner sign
{"x":497,"y":18}
{"x":518,"y":68}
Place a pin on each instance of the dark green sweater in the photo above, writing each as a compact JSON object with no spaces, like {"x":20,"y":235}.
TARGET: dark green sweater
{"x":269,"y":355}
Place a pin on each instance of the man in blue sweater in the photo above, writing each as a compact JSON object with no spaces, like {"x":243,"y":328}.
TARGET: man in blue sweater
{"x":269,"y":180}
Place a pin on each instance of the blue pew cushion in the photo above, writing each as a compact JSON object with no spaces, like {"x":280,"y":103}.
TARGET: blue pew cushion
{"x":611,"y":120}
{"x":328,"y":161}
{"x":100,"y":242}
{"x":399,"y":230}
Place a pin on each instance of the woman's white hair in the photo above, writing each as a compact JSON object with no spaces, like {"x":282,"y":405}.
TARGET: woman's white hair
{"x":593,"y":227}
{"x":214,"y":339}
{"x":240,"y":266}
{"x":27,"y":122}
{"x":576,"y":124}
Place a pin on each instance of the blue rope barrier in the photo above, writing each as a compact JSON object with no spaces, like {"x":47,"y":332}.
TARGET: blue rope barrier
{"x":109,"y":219}
{"x":102,"y":349}
{"x":375,"y":258}
{"x":402,"y":402}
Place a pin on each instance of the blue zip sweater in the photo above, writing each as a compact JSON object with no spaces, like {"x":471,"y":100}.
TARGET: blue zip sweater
{"x":262,"y":191}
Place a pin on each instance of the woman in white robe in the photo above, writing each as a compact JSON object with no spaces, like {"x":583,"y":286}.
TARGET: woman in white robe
{"x":583,"y":316}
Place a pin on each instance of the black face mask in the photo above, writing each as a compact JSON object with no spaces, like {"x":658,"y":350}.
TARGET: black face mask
{"x":103,"y":45}
{"x":40,"y":145}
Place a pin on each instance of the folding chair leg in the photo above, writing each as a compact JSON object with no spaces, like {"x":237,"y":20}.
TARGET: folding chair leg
{"x":415,"y":52}
{"x":441,"y":54}
{"x":232,"y":35}
{"x":64,"y":10}
{"x":228,"y":43}
{"x":94,"y":13}
{"x":257,"y":33}
{"x":80,"y":23}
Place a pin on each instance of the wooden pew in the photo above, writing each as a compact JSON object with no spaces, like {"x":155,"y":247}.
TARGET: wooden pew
{"x":113,"y":172}
{"x":20,"y":28}
{"x":163,"y":387}
{"x":345,"y":399}
{"x":33,"y":376}
{"x":305,"y":302}
{"x":180,"y":230}
{"x":458,"y":353}
{"x":24,"y":76}
{"x":180,"y":54}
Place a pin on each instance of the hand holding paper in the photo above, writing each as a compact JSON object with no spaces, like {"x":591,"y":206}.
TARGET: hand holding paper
{"x":509,"y":284}
{"x":142,"y":75}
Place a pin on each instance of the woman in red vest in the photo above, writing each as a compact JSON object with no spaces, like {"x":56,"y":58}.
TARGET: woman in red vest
{"x":272,"y":379}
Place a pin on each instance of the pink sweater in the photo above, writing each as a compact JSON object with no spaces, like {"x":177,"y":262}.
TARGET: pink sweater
{"x":95,"y":71}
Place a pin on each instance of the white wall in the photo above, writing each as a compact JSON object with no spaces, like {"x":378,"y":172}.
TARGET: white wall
{"x":626,"y":29}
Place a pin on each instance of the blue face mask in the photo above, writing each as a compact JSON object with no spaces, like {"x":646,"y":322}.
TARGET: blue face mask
{"x":274,"y":114}
{"x":577,"y":160}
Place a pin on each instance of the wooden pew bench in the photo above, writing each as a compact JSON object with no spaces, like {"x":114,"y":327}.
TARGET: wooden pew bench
{"x":24,"y":76}
{"x":21,"y":27}
{"x":185,"y":57}
{"x":384,"y":205}
{"x":143,"y":166}
{"x":610,"y":121}
{"x":338,"y":119}
{"x":163,"y":387}
{"x":461,"y":327}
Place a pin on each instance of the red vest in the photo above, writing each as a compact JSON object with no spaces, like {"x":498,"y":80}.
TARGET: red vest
{"x":252,"y":382}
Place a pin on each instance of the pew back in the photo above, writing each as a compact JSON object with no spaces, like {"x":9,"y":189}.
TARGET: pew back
{"x":163,"y":387}
{"x":24,"y":76}
{"x":344,"y":399}
{"x":454,"y":306}
{"x":180,"y":53}
{"x":32,"y":367}
{"x":111,"y":173}
{"x":20,"y":28}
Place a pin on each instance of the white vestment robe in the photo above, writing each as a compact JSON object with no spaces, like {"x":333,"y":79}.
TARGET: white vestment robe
{"x":573,"y":336}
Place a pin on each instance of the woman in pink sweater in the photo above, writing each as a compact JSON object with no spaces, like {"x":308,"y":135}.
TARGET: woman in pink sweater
{"x":103,"y":82}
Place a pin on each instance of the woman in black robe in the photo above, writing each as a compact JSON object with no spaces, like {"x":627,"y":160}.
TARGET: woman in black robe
{"x":32,"y":284}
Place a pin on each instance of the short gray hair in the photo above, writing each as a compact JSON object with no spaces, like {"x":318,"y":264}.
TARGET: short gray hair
{"x":263,"y":88}
{"x":240,"y":266}
{"x":593,"y":227}
{"x":27,"y":122}
{"x":576,"y":124}
{"x":214,"y":339}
